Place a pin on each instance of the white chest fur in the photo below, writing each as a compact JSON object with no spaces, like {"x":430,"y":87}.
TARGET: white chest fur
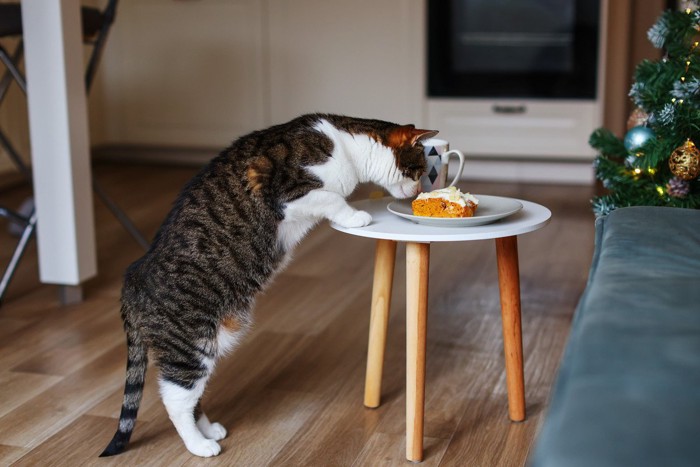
{"x":339,"y":176}
{"x":356,"y":158}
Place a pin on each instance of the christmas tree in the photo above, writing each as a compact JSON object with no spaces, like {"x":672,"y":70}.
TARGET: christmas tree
{"x":657,"y":163}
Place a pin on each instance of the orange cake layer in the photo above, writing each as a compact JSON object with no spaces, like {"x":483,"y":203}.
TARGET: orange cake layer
{"x":436,"y":207}
{"x":446,"y":202}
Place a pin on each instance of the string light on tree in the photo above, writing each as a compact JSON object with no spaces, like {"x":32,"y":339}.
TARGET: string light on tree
{"x":688,"y":5}
{"x":656,"y":163}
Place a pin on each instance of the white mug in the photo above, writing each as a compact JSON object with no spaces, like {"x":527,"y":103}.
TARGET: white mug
{"x":437,"y":157}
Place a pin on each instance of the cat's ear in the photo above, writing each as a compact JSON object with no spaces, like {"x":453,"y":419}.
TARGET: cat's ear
{"x":408,"y":135}
{"x":420,"y":135}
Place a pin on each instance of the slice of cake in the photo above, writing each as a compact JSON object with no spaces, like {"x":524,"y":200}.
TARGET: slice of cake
{"x":446,"y":202}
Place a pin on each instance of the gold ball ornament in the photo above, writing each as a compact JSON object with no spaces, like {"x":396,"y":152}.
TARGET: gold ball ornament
{"x":685,"y":161}
{"x":637,"y":117}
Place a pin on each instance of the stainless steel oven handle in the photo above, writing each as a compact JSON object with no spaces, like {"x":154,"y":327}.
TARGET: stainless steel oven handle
{"x":509,"y":109}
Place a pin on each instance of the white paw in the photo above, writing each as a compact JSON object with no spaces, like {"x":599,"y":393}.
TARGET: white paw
{"x":204,"y":448}
{"x":215,"y":431}
{"x":357,"y":219}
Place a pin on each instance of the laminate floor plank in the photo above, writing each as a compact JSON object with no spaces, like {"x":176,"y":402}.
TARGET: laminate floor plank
{"x":17,"y":388}
{"x":291,"y":394}
{"x":9,"y":454}
{"x":388,"y":450}
{"x":41,"y":416}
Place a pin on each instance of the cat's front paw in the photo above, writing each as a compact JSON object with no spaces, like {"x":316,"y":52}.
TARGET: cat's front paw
{"x":356,"y":219}
{"x":215,"y":431}
{"x":204,"y":447}
{"x":211,"y":430}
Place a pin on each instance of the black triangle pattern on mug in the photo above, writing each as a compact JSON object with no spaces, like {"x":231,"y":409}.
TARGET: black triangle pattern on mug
{"x":432,"y":175}
{"x":433,"y":152}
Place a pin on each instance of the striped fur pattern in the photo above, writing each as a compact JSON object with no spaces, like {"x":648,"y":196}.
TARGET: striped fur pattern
{"x":188,"y":300}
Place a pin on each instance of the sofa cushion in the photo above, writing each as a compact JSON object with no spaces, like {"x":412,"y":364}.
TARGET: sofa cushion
{"x":628,"y":388}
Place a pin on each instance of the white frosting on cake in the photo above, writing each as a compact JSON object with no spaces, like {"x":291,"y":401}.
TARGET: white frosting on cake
{"x":452,"y":194}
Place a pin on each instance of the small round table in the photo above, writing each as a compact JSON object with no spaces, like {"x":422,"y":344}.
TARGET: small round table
{"x":388,"y":229}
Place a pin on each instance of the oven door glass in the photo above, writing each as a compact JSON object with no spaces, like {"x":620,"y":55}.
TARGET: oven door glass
{"x":513,"y":48}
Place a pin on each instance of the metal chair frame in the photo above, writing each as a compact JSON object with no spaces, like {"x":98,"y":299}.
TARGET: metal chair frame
{"x":28,"y":221}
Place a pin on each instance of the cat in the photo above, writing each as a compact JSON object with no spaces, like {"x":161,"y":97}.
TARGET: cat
{"x":189,"y":299}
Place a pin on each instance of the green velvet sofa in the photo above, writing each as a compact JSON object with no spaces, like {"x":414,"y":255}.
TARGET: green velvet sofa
{"x":628,"y":388}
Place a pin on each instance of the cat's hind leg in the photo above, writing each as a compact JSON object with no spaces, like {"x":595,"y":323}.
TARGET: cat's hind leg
{"x":231,"y":331}
{"x":180,"y":402}
{"x":215,"y":431}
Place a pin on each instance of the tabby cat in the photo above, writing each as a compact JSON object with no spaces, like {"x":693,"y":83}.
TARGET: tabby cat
{"x":188,"y":300}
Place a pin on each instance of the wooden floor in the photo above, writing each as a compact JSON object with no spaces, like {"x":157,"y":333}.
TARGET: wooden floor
{"x":292,"y":394}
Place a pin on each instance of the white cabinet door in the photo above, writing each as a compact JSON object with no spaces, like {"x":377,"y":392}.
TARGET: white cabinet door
{"x":362,"y":58}
{"x":183,"y":72}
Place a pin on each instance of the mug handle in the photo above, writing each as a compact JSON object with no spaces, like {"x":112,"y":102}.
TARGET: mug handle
{"x":446,"y":158}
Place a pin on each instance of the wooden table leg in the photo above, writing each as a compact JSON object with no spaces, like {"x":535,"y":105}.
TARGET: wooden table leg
{"x":384,"y":260}
{"x":417,"y":266}
{"x":509,"y":283}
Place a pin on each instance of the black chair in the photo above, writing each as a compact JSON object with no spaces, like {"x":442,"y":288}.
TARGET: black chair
{"x":96,"y":25}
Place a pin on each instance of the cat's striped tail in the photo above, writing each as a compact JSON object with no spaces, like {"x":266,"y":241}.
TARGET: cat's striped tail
{"x":136,"y":364}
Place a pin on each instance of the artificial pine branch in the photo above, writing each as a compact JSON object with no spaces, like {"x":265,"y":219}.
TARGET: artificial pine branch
{"x":668,"y":90}
{"x":652,"y":80}
{"x":607,"y":143}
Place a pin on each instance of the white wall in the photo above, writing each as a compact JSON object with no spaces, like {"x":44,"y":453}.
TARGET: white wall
{"x":202,"y":73}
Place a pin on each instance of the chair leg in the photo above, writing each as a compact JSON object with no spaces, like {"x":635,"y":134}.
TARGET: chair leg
{"x":417,"y":266}
{"x":509,"y":283}
{"x":11,"y":74}
{"x":120,"y":215}
{"x":14,"y":155}
{"x":12,"y":64}
{"x":384,"y":260}
{"x":17,"y":255}
{"x":98,"y":46}
{"x":70,"y":294}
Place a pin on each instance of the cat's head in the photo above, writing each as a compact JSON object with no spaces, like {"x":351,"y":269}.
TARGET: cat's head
{"x":405,"y":144}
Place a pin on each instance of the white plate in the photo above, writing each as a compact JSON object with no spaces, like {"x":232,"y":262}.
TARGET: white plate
{"x":491,"y":209}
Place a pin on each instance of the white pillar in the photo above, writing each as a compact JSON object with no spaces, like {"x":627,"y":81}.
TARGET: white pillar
{"x":59,"y":140}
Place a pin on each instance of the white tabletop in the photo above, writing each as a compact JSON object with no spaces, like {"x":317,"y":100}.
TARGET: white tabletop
{"x":388,"y":226}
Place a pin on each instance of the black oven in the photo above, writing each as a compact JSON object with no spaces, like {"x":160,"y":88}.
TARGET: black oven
{"x":513,"y":48}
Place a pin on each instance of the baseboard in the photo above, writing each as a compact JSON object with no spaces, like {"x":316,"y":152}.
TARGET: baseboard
{"x":186,"y":156}
{"x":12,"y":178}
